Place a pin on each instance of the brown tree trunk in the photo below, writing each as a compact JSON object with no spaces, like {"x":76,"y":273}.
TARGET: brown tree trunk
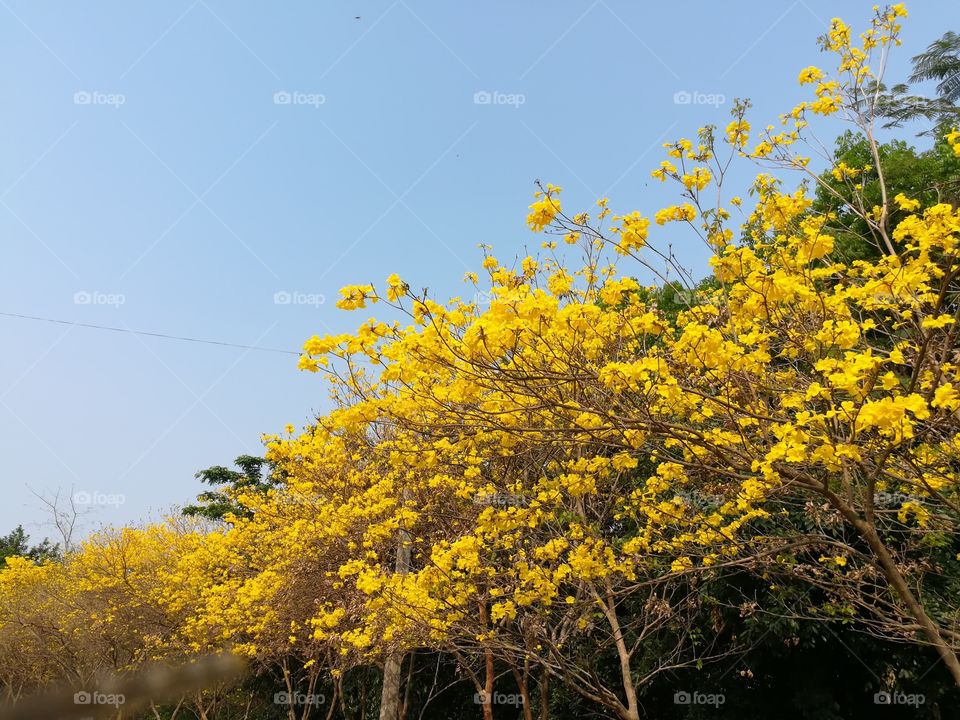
{"x":487,"y":666}
{"x":522,"y":678}
{"x":390,"y":694}
{"x":405,"y":705}
{"x":545,"y":696}
{"x":630,"y":712}
{"x":891,"y":572}
{"x":900,"y":586}
{"x":393,"y":665}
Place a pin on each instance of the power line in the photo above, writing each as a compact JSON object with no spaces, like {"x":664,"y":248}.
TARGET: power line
{"x":148,"y":334}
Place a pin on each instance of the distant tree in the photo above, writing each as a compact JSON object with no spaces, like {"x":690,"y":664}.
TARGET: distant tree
{"x":256,"y":474}
{"x":930,"y":176}
{"x":65,"y":513}
{"x":941,"y":63}
{"x":17,"y":544}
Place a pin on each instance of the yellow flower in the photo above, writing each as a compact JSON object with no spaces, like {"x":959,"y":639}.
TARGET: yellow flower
{"x":810,"y":75}
{"x":544,"y":209}
{"x":953,"y":140}
{"x":906,"y":203}
{"x":738,"y":132}
{"x":354,"y":297}
{"x":685,"y":212}
{"x":946,"y":397}
{"x":396,"y":288}
{"x":698,"y":178}
{"x":666,"y":167}
{"x":624,"y":461}
{"x":307,"y":363}
{"x":560,"y":283}
{"x":633,"y":232}
{"x":913,"y":509}
{"x":316,"y":346}
{"x":841,"y":171}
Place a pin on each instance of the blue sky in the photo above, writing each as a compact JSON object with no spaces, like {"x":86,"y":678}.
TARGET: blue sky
{"x":184,"y":167}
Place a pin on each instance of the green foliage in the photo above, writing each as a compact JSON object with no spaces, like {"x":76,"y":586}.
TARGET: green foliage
{"x":930,"y":176}
{"x":940,"y":63}
{"x":17,"y":543}
{"x":256,"y":475}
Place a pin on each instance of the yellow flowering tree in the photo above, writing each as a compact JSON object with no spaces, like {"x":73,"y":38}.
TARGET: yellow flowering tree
{"x":102,"y":609}
{"x":543,"y":483}
{"x":799,"y":379}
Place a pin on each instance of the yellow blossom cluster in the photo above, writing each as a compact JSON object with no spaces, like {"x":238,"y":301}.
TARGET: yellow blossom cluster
{"x":491,"y":472}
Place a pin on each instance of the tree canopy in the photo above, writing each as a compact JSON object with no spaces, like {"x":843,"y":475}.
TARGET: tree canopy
{"x":592,"y":496}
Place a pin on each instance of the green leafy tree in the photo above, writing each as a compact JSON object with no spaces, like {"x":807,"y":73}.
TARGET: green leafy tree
{"x":17,"y":544}
{"x":930,"y":176}
{"x":940,"y":63}
{"x":256,"y":474}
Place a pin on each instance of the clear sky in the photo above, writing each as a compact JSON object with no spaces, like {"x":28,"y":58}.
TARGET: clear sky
{"x":183,"y":167}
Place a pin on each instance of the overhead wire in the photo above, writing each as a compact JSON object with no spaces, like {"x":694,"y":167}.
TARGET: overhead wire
{"x":165,"y":336}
